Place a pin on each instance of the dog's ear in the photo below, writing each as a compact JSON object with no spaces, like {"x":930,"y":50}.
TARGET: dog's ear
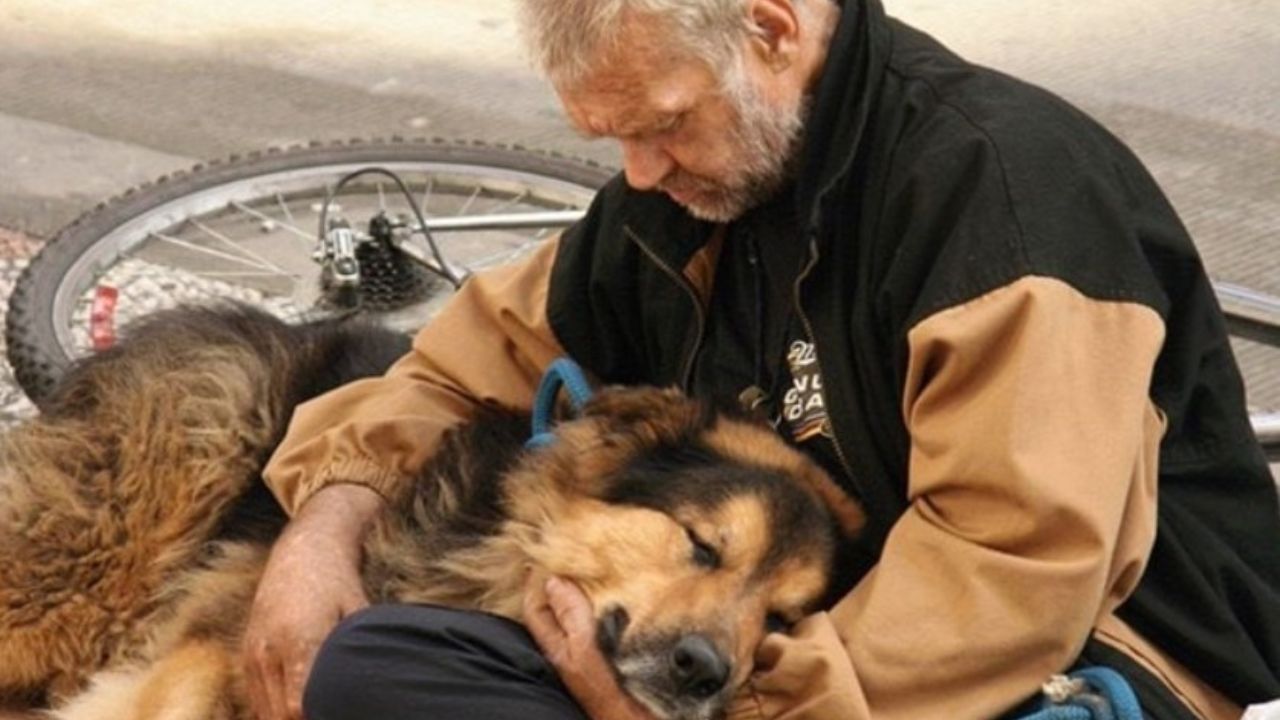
{"x":650,"y":415}
{"x":749,"y":440}
{"x":614,"y":427}
{"x":847,"y":513}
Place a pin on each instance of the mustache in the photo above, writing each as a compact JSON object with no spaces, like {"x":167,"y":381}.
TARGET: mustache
{"x":684,"y":183}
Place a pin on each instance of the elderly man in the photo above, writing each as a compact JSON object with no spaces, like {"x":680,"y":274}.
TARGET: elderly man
{"x":964,"y":298}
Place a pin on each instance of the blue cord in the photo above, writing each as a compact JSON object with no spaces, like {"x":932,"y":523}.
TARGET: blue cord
{"x":561,"y":373}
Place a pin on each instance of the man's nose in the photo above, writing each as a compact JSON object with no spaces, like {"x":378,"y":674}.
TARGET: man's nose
{"x":645,"y":163}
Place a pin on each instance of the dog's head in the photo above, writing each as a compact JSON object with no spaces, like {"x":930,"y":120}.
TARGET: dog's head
{"x":693,"y":534}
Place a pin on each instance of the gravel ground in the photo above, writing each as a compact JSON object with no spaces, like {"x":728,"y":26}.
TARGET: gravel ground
{"x":15,"y":250}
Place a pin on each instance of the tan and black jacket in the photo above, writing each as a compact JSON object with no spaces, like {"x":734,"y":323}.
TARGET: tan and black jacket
{"x":1009,"y":318}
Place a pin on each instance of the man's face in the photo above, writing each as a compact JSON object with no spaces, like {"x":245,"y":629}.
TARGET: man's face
{"x":717,"y":148}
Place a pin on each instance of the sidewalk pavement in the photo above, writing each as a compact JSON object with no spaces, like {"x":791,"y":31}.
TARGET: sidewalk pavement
{"x":99,"y":95}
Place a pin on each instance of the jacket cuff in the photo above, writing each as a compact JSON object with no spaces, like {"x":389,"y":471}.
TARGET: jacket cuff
{"x":357,"y":471}
{"x":808,"y":675}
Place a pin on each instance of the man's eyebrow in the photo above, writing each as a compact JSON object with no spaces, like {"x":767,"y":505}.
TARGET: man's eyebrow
{"x":655,"y":123}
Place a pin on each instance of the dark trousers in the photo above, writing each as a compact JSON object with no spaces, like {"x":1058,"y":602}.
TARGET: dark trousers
{"x":418,"y":662}
{"x":413,"y":662}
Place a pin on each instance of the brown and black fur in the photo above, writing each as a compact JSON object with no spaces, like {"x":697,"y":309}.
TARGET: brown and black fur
{"x":134,"y":525}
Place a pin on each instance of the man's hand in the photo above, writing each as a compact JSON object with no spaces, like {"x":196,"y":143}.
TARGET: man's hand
{"x":560,"y":618}
{"x":312,"y":580}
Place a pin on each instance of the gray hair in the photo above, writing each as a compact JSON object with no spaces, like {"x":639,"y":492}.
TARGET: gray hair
{"x":566,"y":36}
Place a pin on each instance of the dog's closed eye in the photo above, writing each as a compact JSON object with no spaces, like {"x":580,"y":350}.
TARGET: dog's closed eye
{"x":704,"y":553}
{"x":776,"y":623}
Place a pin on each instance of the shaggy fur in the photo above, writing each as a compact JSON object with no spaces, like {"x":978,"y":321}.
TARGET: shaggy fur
{"x":134,"y":526}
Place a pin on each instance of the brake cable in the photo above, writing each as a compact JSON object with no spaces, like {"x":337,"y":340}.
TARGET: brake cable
{"x":444,"y":270}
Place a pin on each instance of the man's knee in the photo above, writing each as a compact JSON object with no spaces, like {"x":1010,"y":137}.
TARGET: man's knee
{"x":401,"y":660}
{"x":338,"y":679}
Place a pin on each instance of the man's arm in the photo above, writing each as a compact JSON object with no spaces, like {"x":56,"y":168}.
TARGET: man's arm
{"x":320,"y":550}
{"x":489,"y":345}
{"x":1032,"y":491}
{"x":351,"y":450}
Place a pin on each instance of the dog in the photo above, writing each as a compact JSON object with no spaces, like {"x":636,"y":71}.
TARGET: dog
{"x":134,"y":525}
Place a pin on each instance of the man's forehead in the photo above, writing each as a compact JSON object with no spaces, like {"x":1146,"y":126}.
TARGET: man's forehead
{"x":637,"y":79}
{"x":619,"y":101}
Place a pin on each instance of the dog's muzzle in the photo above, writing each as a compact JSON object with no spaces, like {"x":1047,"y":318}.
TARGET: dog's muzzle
{"x":697,"y":667}
{"x":677,"y":677}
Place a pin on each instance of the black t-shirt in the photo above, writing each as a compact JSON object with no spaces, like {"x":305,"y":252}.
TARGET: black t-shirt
{"x":755,"y":354}
{"x":750,"y":309}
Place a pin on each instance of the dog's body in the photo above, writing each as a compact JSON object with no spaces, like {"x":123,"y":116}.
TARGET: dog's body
{"x":134,"y":526}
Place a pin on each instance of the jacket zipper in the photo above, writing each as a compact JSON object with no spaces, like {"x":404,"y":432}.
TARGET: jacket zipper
{"x":700,"y":314}
{"x":686,"y":374}
{"x":817,"y":357}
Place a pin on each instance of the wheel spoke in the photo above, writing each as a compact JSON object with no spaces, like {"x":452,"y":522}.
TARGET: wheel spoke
{"x":284,"y":208}
{"x":467,"y":205}
{"x":500,"y":257}
{"x":426,"y":195}
{"x":509,"y":203}
{"x":236,"y":246}
{"x":510,"y":221}
{"x":290,"y":226}
{"x":334,"y":207}
{"x":192,"y":247}
{"x":238,"y":273}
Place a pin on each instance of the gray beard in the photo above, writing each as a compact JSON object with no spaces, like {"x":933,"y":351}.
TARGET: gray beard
{"x":768,"y":143}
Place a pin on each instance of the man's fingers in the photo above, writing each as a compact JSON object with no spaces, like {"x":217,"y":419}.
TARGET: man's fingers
{"x":294,"y":682}
{"x":257,"y":694}
{"x":275,"y":684}
{"x":311,"y":581}
{"x":277,"y":696}
{"x":571,"y":608}
{"x":265,"y":679}
{"x":353,"y":604}
{"x":559,"y":617}
{"x":542,"y":623}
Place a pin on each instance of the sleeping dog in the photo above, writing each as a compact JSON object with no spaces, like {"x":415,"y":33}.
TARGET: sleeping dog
{"x":134,"y":524}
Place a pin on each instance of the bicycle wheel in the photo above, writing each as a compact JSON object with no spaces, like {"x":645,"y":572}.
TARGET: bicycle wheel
{"x":246,"y":229}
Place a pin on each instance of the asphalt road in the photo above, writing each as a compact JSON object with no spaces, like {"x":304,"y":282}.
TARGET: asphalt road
{"x":97,"y":95}
{"x":100,"y":95}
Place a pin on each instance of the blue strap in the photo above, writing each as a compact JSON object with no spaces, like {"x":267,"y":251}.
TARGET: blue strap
{"x":561,"y":373}
{"x":1107,"y":696}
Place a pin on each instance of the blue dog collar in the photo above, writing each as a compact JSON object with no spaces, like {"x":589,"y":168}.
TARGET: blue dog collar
{"x":562,"y":373}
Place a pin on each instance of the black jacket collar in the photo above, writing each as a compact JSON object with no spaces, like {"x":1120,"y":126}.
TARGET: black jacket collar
{"x":843,"y":100}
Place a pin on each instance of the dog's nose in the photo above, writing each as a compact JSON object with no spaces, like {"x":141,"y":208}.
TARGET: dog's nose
{"x":699,"y":669}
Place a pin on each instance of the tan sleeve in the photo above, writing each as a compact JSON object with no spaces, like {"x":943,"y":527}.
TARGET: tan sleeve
{"x":1032,"y":513}
{"x":489,"y":344}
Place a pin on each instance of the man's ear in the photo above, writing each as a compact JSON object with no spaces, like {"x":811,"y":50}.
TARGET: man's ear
{"x":774,"y":26}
